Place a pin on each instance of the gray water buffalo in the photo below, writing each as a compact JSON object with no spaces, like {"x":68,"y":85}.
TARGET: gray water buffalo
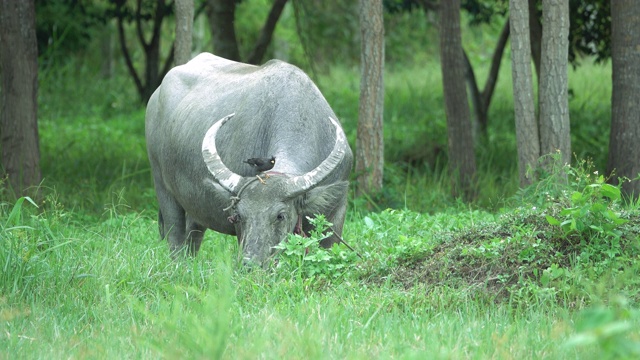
{"x":207,"y":118}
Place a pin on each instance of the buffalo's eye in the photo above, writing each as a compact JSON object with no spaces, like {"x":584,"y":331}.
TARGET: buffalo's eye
{"x":281,"y":216}
{"x":234,"y":218}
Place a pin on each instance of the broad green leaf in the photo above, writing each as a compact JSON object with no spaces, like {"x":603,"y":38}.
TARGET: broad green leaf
{"x":611,"y":192}
{"x":598,"y":207}
{"x":569,"y":225}
{"x":620,"y":221}
{"x":576,"y":196}
{"x":552,"y":221}
{"x":568,"y":211}
{"x":596,"y":228}
{"x":545,"y":279}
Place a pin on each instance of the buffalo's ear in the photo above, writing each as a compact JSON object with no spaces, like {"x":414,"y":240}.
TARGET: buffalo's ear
{"x":323,"y":199}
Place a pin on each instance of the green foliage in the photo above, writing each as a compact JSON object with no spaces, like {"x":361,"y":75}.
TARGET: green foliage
{"x":590,"y":22}
{"x":72,"y":92}
{"x":588,"y":219}
{"x":585,"y":213}
{"x":518,"y":255}
{"x":66,"y":26}
{"x":593,"y":209}
{"x":97,"y":160}
{"x":610,"y":328}
{"x":590,"y":228}
{"x":306,"y":259}
{"x":402,"y":236}
{"x":109,"y":288}
{"x":590,"y":30}
{"x":328,"y":30}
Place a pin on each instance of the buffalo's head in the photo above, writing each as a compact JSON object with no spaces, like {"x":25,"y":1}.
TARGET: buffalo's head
{"x":264,"y":214}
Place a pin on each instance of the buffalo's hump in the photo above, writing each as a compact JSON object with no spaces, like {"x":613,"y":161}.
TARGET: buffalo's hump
{"x":278,"y":112}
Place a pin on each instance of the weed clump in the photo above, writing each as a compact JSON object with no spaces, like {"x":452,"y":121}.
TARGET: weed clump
{"x":553,"y":244}
{"x":304,"y":258}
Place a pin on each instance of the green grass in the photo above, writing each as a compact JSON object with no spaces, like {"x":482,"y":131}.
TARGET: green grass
{"x":455,"y":284}
{"x":84,"y":289}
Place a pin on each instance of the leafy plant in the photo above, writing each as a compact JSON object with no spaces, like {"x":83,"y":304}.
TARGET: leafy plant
{"x":305,"y":257}
{"x":591,"y":210}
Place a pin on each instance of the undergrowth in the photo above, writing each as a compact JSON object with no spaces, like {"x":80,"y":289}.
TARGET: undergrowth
{"x":552,"y":246}
{"x":517,"y":258}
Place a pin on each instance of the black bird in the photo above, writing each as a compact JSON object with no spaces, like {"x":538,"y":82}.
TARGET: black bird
{"x":261,"y":165}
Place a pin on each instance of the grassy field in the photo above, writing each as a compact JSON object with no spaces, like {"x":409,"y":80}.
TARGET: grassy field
{"x":444,"y":285}
{"x":545,"y":272}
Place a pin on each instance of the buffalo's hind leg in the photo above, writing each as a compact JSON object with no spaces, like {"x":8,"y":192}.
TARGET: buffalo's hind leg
{"x":171,"y":221}
{"x":195,"y":233}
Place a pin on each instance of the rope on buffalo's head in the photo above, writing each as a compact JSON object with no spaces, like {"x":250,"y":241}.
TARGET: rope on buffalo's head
{"x":234,"y":201}
{"x":236,"y":198}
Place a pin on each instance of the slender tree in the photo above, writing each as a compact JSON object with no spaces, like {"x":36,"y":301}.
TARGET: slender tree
{"x":260,"y":48}
{"x":153,"y":73}
{"x":369,"y":139}
{"x":624,"y":141}
{"x":527,"y":136}
{"x":462,"y":162}
{"x":554,"y":80}
{"x":19,"y":144}
{"x":184,"y":30}
{"x":222,"y":13}
{"x":481,"y":98}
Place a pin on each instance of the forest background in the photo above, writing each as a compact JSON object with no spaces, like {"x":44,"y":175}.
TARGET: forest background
{"x":83,"y":276}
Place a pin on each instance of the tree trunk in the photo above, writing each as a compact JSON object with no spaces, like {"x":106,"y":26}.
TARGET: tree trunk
{"x":266,"y":34}
{"x":19,"y":143}
{"x":184,"y":30}
{"x":527,"y":136}
{"x":221,"y":15}
{"x":535,"y":36}
{"x":554,"y":81}
{"x":462,"y":162}
{"x":152,"y":67}
{"x":369,"y":140}
{"x":624,"y":141}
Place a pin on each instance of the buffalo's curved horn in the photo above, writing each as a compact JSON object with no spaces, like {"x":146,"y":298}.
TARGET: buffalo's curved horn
{"x":302,"y":183}
{"x":222,"y":175}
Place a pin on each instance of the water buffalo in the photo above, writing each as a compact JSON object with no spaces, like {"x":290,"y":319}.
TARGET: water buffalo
{"x":207,"y":118}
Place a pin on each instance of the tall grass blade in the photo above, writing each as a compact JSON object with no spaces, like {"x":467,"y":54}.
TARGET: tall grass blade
{"x":16,"y":212}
